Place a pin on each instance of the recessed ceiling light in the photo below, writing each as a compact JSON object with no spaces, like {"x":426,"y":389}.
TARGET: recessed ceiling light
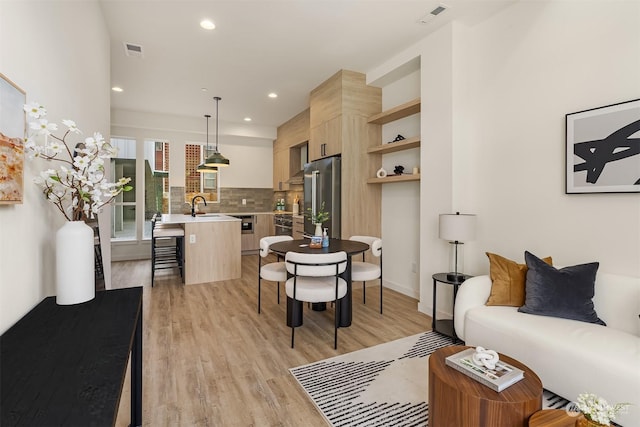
{"x":204,"y":89}
{"x":273,"y":95}
{"x":207,"y":24}
{"x":247,"y":119}
{"x":117,"y":89}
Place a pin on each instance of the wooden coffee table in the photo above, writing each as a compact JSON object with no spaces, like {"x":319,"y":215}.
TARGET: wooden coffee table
{"x":457,"y":400}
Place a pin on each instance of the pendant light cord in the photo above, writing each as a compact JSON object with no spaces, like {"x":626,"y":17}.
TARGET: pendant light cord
{"x":207,"y":116}
{"x":217,"y":98}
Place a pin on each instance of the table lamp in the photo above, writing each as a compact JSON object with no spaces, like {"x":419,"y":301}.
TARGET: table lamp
{"x":457,"y":228}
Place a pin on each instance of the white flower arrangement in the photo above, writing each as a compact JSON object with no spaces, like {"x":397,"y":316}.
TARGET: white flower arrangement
{"x":79,"y":188}
{"x":597,"y":409}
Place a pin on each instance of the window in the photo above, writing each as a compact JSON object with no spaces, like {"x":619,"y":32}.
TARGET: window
{"x":123,"y":214}
{"x":196,"y":183}
{"x":156,"y":178}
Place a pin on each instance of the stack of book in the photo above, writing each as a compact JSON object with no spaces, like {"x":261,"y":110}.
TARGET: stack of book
{"x":497,"y":379}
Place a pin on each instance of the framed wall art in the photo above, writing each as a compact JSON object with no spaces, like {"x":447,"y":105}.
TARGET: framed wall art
{"x":603,"y":149}
{"x":12,"y":131}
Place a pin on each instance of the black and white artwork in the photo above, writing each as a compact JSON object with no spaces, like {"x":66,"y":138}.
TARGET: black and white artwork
{"x":603,"y":149}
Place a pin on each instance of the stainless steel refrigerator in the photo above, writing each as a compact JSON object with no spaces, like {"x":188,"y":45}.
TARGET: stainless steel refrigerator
{"x":322,"y":184}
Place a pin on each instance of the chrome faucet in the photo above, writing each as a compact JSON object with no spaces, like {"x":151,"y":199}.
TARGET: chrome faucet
{"x":193,"y":204}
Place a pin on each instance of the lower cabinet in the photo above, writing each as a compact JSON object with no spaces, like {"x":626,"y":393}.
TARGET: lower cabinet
{"x":298,"y":227}
{"x":262,"y":227}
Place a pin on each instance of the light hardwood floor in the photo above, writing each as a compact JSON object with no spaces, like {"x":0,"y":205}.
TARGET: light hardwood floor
{"x":211,"y":360}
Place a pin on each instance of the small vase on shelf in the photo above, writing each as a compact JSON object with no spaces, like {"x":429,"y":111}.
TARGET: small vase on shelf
{"x":318,"y":231}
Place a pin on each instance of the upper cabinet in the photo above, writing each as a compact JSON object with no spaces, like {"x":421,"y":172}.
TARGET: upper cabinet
{"x":333,"y":105}
{"x":291,"y":134}
{"x":399,"y":112}
{"x":338,"y":117}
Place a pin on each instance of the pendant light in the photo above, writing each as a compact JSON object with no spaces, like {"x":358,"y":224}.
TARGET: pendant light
{"x":203,"y":168}
{"x":217,"y":159}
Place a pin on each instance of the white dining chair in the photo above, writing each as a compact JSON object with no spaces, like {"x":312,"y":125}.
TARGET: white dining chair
{"x":316,"y":278}
{"x":362,"y":271}
{"x":274,"y":271}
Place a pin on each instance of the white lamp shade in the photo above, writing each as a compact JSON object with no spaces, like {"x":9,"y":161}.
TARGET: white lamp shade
{"x":457,"y":227}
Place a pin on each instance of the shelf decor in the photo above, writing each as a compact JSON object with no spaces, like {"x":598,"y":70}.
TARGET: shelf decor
{"x":602,"y":154}
{"x":12,"y":129}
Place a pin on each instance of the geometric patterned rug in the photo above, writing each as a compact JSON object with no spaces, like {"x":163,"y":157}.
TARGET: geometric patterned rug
{"x":384,"y":385}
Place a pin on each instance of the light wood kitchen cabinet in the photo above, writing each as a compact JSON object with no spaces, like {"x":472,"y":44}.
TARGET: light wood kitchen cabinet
{"x":339,"y":112}
{"x":290,"y":135}
{"x":326,"y":139}
{"x":298,"y":227}
{"x":262,"y":226}
{"x":213,"y":253}
{"x":281,"y":172}
{"x":247,"y":242}
{"x":337,"y":123}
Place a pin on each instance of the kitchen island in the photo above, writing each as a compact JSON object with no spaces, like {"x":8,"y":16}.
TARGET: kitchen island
{"x":212,"y":247}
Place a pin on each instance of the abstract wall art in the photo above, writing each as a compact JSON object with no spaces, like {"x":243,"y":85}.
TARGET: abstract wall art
{"x":12,"y":131}
{"x":603,"y":149}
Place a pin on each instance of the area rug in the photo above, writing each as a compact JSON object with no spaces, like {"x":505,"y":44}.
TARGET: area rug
{"x":384,"y":385}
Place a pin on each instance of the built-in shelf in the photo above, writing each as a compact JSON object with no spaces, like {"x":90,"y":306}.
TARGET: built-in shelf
{"x":391,"y":147}
{"x":394,"y":178}
{"x":396,"y":113}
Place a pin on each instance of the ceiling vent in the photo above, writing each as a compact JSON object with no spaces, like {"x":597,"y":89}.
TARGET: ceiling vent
{"x":131,"y":49}
{"x":435,"y":12}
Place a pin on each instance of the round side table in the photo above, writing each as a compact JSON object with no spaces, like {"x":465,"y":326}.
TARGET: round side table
{"x":457,"y":400}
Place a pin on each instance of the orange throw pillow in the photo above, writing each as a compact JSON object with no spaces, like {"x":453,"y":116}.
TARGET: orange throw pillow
{"x":507,"y":281}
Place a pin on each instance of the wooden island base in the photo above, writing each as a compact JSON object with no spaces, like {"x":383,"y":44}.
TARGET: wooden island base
{"x":456,"y":400}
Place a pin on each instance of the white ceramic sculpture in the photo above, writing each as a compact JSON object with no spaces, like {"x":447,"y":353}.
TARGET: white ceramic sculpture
{"x":486,"y":358}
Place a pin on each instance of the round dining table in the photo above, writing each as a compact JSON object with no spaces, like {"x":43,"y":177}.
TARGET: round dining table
{"x":351,"y":247}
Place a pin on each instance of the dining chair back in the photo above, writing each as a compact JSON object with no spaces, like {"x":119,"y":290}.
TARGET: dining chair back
{"x":274,"y":271}
{"x":362,"y":271}
{"x":316,"y":278}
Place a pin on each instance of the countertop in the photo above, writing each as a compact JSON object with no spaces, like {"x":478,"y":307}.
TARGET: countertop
{"x":215,"y":216}
{"x":184,"y":219}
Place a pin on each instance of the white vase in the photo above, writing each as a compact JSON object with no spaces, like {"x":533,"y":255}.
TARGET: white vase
{"x":75,"y":268}
{"x":318,"y":231}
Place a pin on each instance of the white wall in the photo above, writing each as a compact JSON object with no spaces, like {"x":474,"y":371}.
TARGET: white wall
{"x":532,"y":64}
{"x":494,"y":99}
{"x":68,"y":72}
{"x":401,"y":201}
{"x":248,"y":148}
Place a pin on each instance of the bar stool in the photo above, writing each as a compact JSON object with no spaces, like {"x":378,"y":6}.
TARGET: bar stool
{"x":167,"y":246}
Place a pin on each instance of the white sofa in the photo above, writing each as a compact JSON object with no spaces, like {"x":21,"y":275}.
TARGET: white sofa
{"x":569,"y":356}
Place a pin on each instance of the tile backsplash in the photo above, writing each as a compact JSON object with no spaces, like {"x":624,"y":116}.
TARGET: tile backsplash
{"x":257,"y":200}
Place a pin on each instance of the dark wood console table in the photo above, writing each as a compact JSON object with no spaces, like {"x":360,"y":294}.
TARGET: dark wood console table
{"x":66,"y":365}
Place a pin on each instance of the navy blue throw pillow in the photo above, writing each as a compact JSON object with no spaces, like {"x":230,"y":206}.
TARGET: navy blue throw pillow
{"x":566,"y":292}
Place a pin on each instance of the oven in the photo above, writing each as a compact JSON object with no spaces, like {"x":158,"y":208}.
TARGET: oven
{"x":283,"y":224}
{"x":247,"y":223}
